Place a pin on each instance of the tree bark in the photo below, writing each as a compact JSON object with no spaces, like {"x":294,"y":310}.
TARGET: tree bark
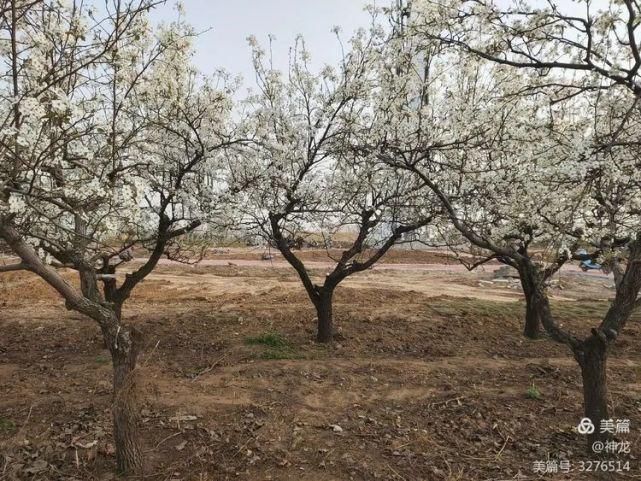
{"x":532,"y":329}
{"x":117,"y":306}
{"x":124,"y":347}
{"x":592,"y":358}
{"x":324,"y":313}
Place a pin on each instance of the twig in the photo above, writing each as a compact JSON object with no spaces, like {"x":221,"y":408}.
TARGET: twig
{"x":25,"y":422}
{"x":208,"y":369}
{"x":151,"y":354}
{"x":396,"y":472}
{"x":498,"y":455}
{"x":167,"y":439}
{"x":446,"y":402}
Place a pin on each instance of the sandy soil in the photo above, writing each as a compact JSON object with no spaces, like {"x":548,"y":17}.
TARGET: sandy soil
{"x":428,"y":379}
{"x":394,"y":256}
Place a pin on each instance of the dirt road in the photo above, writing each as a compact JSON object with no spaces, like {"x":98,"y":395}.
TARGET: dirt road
{"x":282,"y":264}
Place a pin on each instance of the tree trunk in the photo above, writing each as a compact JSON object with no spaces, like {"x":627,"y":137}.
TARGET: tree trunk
{"x":592,"y":358}
{"x":324,"y":313}
{"x":532,"y":329}
{"x":124,"y":347}
{"x":123,"y":342}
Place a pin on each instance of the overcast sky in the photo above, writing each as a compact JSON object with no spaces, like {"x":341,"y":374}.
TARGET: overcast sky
{"x":230,"y":22}
{"x":227,"y":24}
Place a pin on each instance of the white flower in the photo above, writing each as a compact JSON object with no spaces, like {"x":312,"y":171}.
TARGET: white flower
{"x":17,"y":204}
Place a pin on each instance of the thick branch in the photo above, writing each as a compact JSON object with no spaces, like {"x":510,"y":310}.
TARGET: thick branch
{"x":15,"y":267}
{"x":295,"y":262}
{"x":74,"y":299}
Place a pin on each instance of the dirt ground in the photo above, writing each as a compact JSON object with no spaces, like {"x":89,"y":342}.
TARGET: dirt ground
{"x":397,"y":256}
{"x":429,"y":379}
